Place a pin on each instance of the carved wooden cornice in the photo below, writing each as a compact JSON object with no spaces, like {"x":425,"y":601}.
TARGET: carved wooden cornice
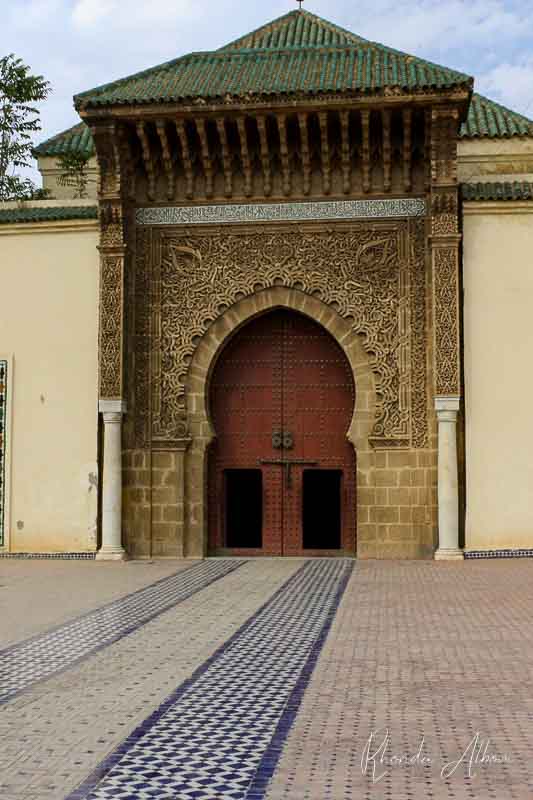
{"x":390,"y":96}
{"x":282,"y":155}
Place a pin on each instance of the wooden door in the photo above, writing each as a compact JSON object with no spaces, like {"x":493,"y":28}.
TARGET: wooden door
{"x":281,"y":471}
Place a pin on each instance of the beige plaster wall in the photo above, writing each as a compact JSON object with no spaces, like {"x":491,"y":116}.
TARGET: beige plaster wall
{"x":48,"y":324}
{"x":51,"y":172}
{"x":498,"y":336}
{"x":495,"y":159}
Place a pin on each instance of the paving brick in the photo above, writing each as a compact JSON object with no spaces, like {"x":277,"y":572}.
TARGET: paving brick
{"x":433,"y":651}
{"x":425,"y":650}
{"x":37,"y":594}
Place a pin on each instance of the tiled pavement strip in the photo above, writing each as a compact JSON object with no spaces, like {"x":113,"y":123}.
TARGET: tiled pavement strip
{"x":25,"y":663}
{"x":58,"y":731}
{"x":432,"y":652}
{"x":208,"y":740}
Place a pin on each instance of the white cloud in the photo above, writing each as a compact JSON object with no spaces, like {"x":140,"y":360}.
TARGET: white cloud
{"x":512,"y":84}
{"x":90,"y":12}
{"x":135,"y":14}
{"x":32,"y":14}
{"x":440,"y":25}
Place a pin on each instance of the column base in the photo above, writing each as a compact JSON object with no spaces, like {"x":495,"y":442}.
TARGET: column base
{"x":111,"y":555}
{"x":448,"y":554}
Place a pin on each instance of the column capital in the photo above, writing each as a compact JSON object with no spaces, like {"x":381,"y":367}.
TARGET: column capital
{"x":447,"y":402}
{"x":112,"y":406}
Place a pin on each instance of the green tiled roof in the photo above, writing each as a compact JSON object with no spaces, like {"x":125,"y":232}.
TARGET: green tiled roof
{"x":9,"y":216}
{"x":295,"y":29}
{"x":297,"y":53}
{"x":489,"y":119}
{"x":75,"y":140}
{"x":517,"y":190}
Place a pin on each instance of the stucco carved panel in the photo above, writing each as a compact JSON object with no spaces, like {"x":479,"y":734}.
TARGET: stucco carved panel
{"x":111,"y":287}
{"x":446,"y":328}
{"x":281,"y":212}
{"x":372,"y":273}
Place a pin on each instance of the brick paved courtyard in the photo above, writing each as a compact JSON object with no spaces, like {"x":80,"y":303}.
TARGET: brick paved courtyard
{"x":280,"y":679}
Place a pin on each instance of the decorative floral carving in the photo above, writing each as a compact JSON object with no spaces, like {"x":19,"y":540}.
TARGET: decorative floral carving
{"x":111,"y":278}
{"x":361,"y":270}
{"x":444,"y":210}
{"x":444,"y":224}
{"x":109,"y":144}
{"x":140,"y":343}
{"x":111,"y":235}
{"x":444,"y":130}
{"x":445,"y":244}
{"x":446,"y":326}
{"x":418,"y":338}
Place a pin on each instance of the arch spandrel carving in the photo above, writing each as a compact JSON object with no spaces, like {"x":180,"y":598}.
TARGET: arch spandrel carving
{"x":366,"y":272}
{"x":243,"y":312}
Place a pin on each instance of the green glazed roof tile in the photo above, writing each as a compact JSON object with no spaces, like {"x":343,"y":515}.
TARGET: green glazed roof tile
{"x":9,"y":216}
{"x":296,"y":53}
{"x":271,"y":72}
{"x":295,"y":29}
{"x":492,"y":120}
{"x":516,"y":190}
{"x":74,"y":140}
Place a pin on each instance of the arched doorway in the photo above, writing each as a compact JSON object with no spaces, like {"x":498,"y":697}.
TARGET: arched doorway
{"x":281,"y":469}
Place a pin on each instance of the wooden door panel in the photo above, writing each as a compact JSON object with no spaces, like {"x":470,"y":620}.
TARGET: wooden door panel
{"x":318,"y":400}
{"x":281,"y":372}
{"x":249,"y":372}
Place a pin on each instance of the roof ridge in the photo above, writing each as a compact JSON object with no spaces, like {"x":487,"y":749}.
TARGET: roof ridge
{"x":331,"y":26}
{"x":303,"y":13}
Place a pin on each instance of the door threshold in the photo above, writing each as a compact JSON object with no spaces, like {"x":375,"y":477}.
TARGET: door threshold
{"x":300,"y":557}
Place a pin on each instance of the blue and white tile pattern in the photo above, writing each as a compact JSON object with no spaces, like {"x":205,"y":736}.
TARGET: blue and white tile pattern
{"x":209,"y":738}
{"x":42,"y":656}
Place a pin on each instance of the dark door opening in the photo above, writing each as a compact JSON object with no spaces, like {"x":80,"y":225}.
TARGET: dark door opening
{"x":244,"y":508}
{"x":322,"y":509}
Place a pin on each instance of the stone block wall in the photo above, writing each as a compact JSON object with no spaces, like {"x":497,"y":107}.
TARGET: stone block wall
{"x":397,"y":505}
{"x":153,"y":509}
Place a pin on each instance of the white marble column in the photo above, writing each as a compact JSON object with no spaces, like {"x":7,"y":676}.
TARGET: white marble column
{"x":448,"y":484}
{"x":111,"y":549}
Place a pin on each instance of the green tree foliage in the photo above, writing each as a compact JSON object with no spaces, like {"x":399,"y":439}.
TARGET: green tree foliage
{"x":75,"y":173}
{"x":19,"y":119}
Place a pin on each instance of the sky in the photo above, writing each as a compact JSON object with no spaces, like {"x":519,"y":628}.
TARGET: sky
{"x":78,"y":44}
